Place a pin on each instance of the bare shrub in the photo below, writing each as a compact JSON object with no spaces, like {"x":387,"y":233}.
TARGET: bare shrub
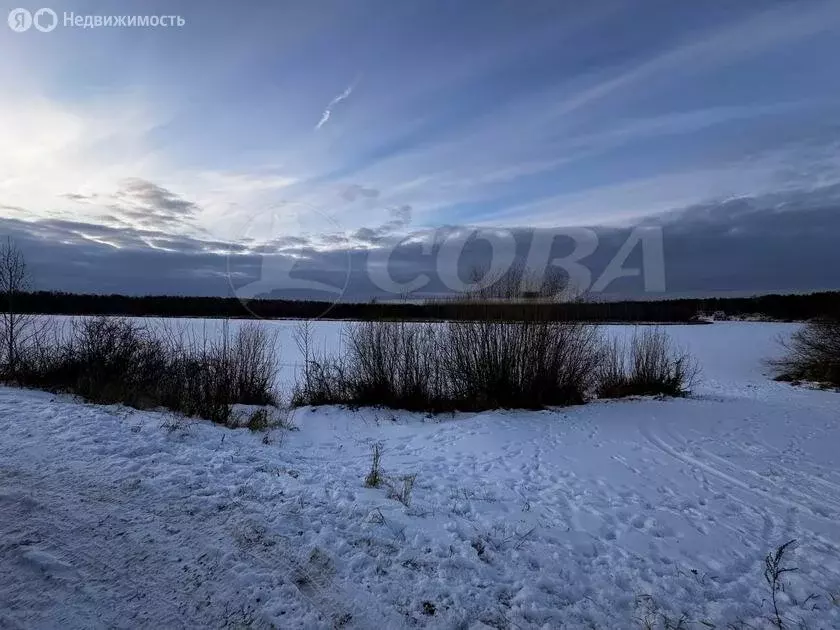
{"x":104,"y":360}
{"x":252,"y":358}
{"x":391,"y":364}
{"x":649,"y":366}
{"x":20,"y":333}
{"x":114,"y":360}
{"x":394,"y":364}
{"x":324,"y":385}
{"x":14,"y":279}
{"x":209,"y":375}
{"x":813,"y":353}
{"x":321,"y":380}
{"x":501,"y":350}
{"x":518,"y":356}
{"x":521,"y":364}
{"x":459,"y":365}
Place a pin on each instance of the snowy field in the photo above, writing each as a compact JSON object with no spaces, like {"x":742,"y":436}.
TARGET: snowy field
{"x":627,"y":514}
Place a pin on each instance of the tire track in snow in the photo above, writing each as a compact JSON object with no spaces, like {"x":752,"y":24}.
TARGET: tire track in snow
{"x":791,"y":488}
{"x":794,"y":480}
{"x":689,"y":460}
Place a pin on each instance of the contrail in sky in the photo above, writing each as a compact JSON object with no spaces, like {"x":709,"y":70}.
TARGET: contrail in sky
{"x":328,"y":111}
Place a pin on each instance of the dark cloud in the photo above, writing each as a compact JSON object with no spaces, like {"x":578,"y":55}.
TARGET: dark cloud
{"x":284,"y":242}
{"x":79,"y":198}
{"x":69,"y":256}
{"x":141,"y":202}
{"x":156,"y":198}
{"x":775,"y":242}
{"x":759,"y":244}
{"x":400,"y":219}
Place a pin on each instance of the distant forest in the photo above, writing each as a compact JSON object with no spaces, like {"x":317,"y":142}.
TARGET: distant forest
{"x":777,"y":307}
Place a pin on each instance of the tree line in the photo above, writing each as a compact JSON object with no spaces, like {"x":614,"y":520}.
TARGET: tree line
{"x":778,"y":307}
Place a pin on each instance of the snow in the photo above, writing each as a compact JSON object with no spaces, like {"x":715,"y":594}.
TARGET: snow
{"x":609,"y":515}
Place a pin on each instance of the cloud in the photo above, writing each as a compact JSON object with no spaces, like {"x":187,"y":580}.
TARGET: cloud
{"x":152,"y":204}
{"x":400,"y":218}
{"x":774,"y":242}
{"x":794,"y":169}
{"x":79,"y":198}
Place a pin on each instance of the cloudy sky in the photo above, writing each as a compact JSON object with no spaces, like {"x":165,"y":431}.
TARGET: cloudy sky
{"x":282,"y":147}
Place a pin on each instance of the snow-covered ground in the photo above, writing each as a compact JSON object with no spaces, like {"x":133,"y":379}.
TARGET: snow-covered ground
{"x":609,"y":515}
